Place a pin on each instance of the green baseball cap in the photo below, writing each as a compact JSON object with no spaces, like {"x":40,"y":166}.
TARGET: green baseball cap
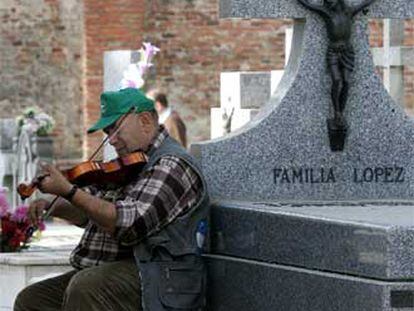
{"x":116,"y":104}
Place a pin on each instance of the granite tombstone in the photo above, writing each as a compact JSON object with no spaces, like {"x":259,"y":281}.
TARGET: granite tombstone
{"x":296,"y":225}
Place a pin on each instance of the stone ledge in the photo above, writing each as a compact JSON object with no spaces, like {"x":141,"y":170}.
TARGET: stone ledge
{"x":354,"y":239}
{"x":41,"y":258}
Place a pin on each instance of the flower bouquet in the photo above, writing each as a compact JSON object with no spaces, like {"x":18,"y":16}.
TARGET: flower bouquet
{"x":35,"y":121}
{"x":16,"y":231}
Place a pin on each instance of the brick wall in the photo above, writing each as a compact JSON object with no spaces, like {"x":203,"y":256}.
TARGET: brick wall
{"x":40,"y":64}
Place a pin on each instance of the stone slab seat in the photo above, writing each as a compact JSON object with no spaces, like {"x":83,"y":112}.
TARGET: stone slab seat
{"x":364,"y":239}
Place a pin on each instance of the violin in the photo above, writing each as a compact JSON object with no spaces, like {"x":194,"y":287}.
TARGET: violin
{"x":118,"y":171}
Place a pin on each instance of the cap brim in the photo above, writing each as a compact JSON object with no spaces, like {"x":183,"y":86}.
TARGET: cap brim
{"x":103,"y":122}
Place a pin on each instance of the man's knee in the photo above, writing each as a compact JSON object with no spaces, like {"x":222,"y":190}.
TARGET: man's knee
{"x":95,"y":288}
{"x":24,"y":300}
{"x":81,"y":285}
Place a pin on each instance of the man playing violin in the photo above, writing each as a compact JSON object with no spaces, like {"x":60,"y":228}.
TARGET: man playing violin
{"x":141,"y":249}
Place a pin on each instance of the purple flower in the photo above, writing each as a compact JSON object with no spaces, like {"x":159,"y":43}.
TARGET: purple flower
{"x":147,"y":54}
{"x":4,"y":205}
{"x":150,"y":51}
{"x":41,"y":226}
{"x":20,"y":214}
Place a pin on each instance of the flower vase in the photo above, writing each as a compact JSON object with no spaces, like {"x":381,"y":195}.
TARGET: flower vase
{"x":42,"y":146}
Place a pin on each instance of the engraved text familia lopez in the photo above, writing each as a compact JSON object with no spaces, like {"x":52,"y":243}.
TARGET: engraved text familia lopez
{"x":306,"y":175}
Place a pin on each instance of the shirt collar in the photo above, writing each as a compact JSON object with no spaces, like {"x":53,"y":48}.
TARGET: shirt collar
{"x":163,"y":116}
{"x":157,"y":140}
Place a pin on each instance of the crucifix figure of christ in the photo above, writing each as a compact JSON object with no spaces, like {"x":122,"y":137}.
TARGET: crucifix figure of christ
{"x":338,"y":17}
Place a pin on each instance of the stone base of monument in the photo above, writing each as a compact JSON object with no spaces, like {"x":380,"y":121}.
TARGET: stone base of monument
{"x":342,"y":256}
{"x":238,"y":284}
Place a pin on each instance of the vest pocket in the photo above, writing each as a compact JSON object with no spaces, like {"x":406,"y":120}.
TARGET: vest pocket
{"x":182,"y":286}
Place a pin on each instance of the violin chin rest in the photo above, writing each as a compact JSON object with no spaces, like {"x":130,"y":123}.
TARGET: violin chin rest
{"x":24,"y":191}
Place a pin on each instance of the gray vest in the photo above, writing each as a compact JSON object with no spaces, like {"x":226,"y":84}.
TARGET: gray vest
{"x":172,"y":272}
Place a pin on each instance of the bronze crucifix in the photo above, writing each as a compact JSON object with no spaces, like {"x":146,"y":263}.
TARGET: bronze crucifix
{"x":338,"y":17}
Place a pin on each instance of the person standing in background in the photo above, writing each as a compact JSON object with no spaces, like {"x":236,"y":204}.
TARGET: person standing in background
{"x":171,"y":119}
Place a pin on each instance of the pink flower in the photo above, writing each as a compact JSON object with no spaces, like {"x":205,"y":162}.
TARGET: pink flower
{"x":4,"y":205}
{"x":41,"y":226}
{"x":16,"y":230}
{"x":20,"y":213}
{"x":149,"y":51}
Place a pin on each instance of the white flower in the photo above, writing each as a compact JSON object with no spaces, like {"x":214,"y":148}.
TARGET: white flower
{"x":35,"y":121}
{"x":132,"y":77}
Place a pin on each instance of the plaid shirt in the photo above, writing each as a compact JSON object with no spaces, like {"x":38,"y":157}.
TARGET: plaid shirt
{"x":155,"y":199}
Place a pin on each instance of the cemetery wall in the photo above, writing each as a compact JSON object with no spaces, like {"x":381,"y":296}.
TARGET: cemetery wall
{"x":52,"y":54}
{"x":41,"y":64}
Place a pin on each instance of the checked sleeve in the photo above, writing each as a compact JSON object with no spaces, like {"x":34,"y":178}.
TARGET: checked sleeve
{"x":170,"y":188}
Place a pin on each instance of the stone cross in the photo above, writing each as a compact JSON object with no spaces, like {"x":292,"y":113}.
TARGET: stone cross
{"x":284,"y":153}
{"x":393,"y":57}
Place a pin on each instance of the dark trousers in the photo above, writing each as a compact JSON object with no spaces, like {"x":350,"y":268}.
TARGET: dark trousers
{"x":111,"y":286}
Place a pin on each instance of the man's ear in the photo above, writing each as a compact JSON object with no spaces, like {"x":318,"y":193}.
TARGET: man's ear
{"x":146,"y":119}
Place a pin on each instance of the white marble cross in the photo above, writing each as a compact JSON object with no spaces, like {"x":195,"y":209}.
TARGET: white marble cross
{"x":242,"y":94}
{"x":393,"y":57}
